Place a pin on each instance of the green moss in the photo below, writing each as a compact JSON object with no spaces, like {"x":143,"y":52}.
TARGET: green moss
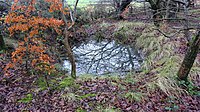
{"x":133,"y":96}
{"x":41,"y":83}
{"x":86,"y":77}
{"x":102,"y":108}
{"x":27,"y":99}
{"x":80,"y":110}
{"x":66,"y":82}
{"x":129,"y":79}
{"x":122,"y":87}
{"x":86,"y":96}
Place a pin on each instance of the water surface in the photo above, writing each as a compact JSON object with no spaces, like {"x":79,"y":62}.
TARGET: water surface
{"x":106,"y":57}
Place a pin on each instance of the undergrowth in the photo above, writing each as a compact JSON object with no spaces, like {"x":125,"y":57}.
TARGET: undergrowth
{"x":159,"y":70}
{"x":162,"y":61}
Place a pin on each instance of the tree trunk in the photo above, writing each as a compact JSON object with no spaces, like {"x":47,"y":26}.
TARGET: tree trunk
{"x":2,"y":43}
{"x":156,"y":7}
{"x":124,"y":4}
{"x":122,"y":7}
{"x":186,"y":25}
{"x":70,"y":55}
{"x":66,"y":39}
{"x":189,"y":58}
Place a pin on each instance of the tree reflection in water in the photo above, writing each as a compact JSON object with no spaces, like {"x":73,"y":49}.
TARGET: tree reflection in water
{"x":105,"y":57}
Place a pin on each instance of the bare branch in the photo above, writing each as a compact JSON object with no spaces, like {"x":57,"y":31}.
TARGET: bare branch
{"x":168,"y":36}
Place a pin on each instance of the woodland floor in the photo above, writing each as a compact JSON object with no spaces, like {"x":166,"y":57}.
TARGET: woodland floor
{"x":20,"y":92}
{"x":95,"y":94}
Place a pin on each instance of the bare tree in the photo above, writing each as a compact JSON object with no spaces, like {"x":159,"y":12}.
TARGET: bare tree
{"x":66,"y":38}
{"x":167,"y":9}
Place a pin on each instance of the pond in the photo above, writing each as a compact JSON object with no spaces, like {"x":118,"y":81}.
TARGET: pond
{"x":105,"y":57}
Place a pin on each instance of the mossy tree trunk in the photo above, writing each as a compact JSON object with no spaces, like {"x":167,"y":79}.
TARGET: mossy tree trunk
{"x":2,"y":43}
{"x":189,"y":58}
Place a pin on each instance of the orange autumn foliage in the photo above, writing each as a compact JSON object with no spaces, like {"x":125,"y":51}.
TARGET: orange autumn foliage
{"x":31,"y":50}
